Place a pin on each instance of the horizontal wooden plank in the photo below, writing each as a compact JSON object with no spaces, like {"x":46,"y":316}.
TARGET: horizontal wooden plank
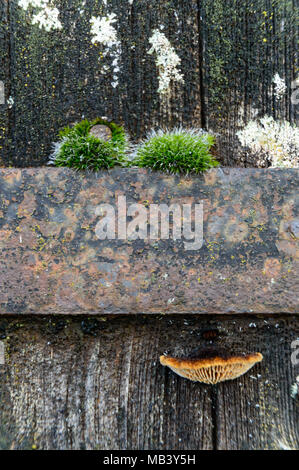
{"x":96,"y":383}
{"x":52,"y":260}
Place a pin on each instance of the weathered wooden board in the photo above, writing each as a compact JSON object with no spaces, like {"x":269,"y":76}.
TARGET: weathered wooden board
{"x":52,"y":260}
{"x":229,"y":51}
{"x":5,"y":86}
{"x":253,"y":413}
{"x":58,"y":77}
{"x":245,"y":43}
{"x":78,"y":383}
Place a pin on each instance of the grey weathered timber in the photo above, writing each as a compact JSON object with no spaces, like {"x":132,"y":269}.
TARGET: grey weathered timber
{"x":78,"y":383}
{"x":52,"y":260}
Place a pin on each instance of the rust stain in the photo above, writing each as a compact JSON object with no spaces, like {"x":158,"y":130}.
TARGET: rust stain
{"x":272,"y":267}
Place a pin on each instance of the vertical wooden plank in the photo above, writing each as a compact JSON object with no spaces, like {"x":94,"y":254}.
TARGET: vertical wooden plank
{"x":59,"y":76}
{"x":4,"y":82}
{"x":245,"y":44}
{"x":178,"y":20}
{"x":57,"y":79}
{"x":159,"y":421}
{"x":257,"y":410}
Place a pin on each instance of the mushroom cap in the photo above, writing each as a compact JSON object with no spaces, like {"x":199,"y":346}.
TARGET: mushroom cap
{"x":211,"y":370}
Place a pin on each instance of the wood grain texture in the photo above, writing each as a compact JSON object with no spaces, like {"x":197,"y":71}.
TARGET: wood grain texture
{"x":261,"y":399}
{"x":229,"y":51}
{"x":55,"y":260}
{"x":96,"y":383}
{"x":5,"y":78}
{"x":245,"y":43}
{"x":58,"y":77}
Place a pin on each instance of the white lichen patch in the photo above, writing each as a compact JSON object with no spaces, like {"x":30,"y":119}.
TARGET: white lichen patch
{"x":25,"y":4}
{"x":280,"y":87}
{"x":167,"y":62}
{"x":295,"y":388}
{"x":45,"y":15}
{"x":278,"y":140}
{"x":10,"y":102}
{"x":103,"y":32}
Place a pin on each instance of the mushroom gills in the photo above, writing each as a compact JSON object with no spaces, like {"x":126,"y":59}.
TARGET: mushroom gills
{"x":213,"y":370}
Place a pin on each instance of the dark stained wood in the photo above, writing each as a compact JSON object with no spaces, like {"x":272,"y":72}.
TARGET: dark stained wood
{"x":74,"y":382}
{"x":245,"y":43}
{"x":5,"y":112}
{"x":58,"y":78}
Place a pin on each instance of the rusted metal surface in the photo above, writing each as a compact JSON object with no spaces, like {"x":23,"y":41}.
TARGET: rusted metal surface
{"x":52,"y":261}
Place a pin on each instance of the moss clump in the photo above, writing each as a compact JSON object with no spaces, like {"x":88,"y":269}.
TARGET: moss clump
{"x":177,"y":151}
{"x":79,"y":149}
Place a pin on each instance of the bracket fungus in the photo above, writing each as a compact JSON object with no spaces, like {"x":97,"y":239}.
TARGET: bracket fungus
{"x":211,"y":369}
